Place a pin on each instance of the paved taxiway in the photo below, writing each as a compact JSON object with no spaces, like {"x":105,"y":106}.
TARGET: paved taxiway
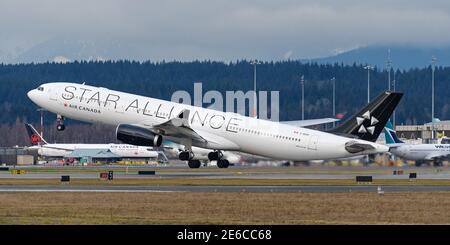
{"x":222,"y":175}
{"x":360,"y":188}
{"x":211,"y":173}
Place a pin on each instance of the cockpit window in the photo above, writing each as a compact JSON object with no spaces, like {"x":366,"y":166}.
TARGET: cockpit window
{"x":40,"y":88}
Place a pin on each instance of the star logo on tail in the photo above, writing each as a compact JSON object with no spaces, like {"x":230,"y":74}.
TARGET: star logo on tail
{"x":360,"y":121}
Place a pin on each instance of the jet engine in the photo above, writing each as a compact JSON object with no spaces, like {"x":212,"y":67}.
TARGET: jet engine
{"x":135,"y":135}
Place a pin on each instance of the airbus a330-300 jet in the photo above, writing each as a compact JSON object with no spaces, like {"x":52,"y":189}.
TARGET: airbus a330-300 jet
{"x":146,"y":121}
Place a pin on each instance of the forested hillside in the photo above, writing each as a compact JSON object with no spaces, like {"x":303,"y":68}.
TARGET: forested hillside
{"x":161,"y":79}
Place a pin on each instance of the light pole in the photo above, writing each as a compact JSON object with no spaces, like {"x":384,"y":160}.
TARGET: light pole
{"x":254,"y":63}
{"x":393,"y":83}
{"x":302,"y":82}
{"x":388,"y":65}
{"x":368,"y":68}
{"x":41,"y":110}
{"x":433,"y":62}
{"x":334,"y":99}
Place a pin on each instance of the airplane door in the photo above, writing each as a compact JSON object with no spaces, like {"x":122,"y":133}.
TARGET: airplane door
{"x":312,"y":144}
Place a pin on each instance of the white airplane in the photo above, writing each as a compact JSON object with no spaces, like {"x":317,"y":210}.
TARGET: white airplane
{"x":420,"y":153}
{"x":145,"y":121}
{"x":62,"y":150}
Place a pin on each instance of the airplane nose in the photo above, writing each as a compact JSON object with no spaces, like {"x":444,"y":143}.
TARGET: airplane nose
{"x":32,"y":95}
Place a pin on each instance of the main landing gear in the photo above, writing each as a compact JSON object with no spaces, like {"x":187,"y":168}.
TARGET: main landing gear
{"x":60,"y":121}
{"x":223,"y":163}
{"x":212,"y":156}
{"x":194,"y":163}
{"x":218,"y":156}
{"x":188,"y":156}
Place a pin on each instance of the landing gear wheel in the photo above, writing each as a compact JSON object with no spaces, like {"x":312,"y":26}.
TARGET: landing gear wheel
{"x":194,"y":163}
{"x":60,"y":127}
{"x":223,"y":163}
{"x":437,"y":163}
{"x":215,"y":155}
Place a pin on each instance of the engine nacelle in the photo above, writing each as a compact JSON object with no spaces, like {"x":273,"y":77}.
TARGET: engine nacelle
{"x":135,"y":135}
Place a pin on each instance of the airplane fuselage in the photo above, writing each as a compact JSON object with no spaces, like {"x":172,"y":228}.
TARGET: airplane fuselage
{"x":421,"y":151}
{"x":222,"y":131}
{"x":122,"y":150}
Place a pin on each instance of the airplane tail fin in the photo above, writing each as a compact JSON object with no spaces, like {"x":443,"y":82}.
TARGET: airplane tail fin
{"x":369,"y":122}
{"x":390,"y":134}
{"x":35,"y":137}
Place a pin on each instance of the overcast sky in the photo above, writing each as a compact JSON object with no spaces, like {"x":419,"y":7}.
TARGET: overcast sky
{"x":228,"y":29}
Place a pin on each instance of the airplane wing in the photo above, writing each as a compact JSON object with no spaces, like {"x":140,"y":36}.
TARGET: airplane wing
{"x":310,"y":122}
{"x":180,"y":131}
{"x":179,"y":127}
{"x":437,"y":155}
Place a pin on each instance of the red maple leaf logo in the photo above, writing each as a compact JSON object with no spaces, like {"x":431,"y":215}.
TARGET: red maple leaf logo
{"x":35,"y":139}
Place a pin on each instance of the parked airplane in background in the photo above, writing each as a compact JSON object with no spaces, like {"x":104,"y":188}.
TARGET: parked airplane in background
{"x":420,"y":153}
{"x":62,"y":150}
{"x":145,"y":121}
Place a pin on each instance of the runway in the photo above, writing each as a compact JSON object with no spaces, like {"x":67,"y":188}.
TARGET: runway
{"x":274,"y":189}
{"x":210,"y":179}
{"x":223,"y":175}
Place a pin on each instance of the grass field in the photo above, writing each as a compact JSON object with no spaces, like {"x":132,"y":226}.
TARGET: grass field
{"x":224,"y":208}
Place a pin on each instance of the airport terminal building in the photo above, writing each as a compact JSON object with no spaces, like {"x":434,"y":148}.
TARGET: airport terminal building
{"x":412,"y":132}
{"x":11,"y":156}
{"x":18,"y":156}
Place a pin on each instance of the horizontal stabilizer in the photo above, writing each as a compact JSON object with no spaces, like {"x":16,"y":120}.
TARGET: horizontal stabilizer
{"x":355,"y":147}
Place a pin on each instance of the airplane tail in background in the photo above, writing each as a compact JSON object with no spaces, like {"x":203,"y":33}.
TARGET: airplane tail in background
{"x":369,"y":122}
{"x":390,"y":134}
{"x":35,"y":137}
